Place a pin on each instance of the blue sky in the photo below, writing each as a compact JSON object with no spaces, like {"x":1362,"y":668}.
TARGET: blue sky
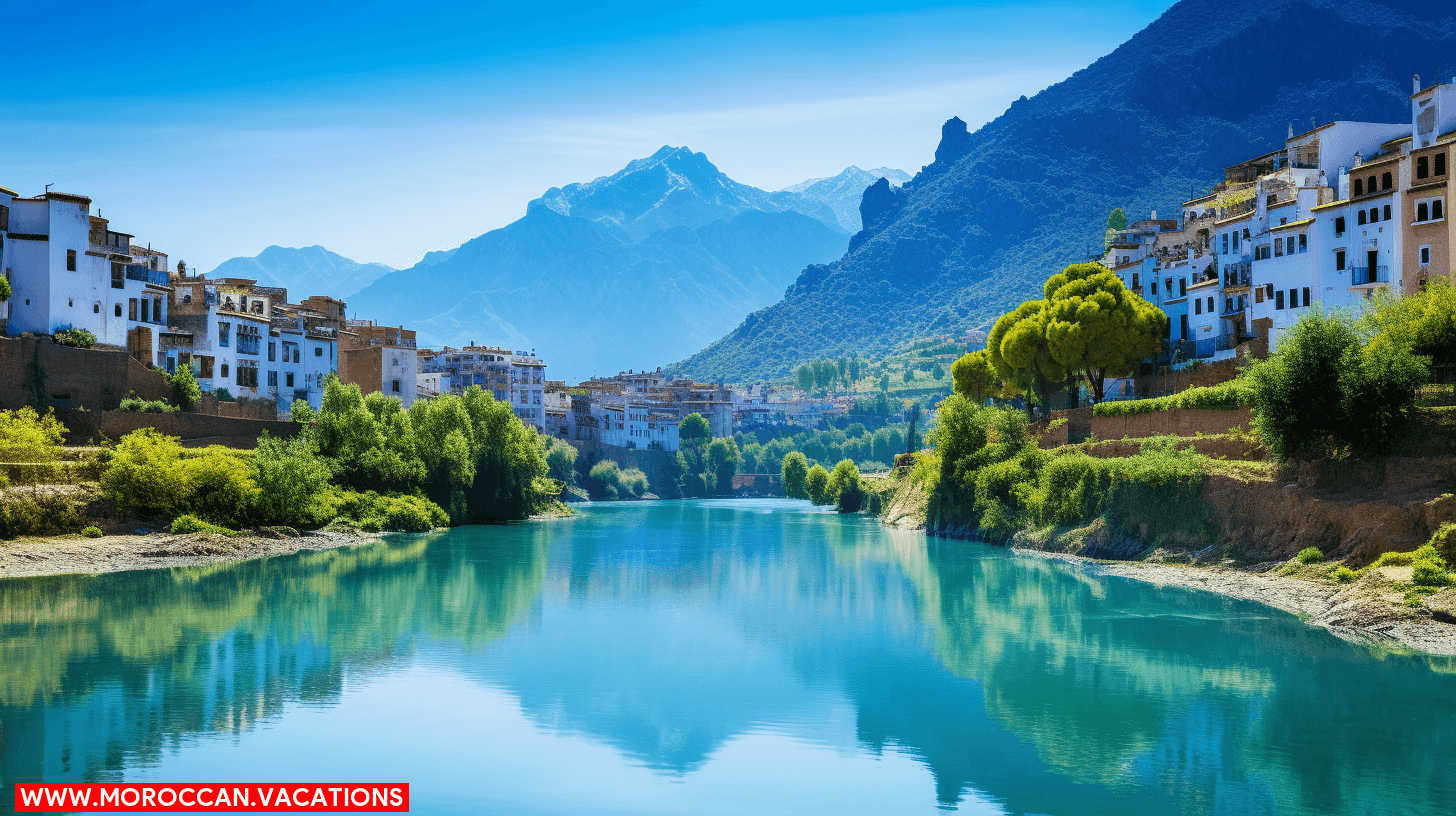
{"x":383,"y":130}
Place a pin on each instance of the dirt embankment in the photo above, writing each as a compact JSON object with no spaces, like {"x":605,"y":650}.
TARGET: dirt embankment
{"x":60,"y":555}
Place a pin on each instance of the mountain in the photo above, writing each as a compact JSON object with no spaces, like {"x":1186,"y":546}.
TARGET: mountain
{"x":979,"y":229}
{"x":626,"y":271}
{"x":304,"y":271}
{"x":843,"y":192}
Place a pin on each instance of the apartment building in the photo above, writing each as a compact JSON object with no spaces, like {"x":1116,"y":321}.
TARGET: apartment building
{"x":380,"y":359}
{"x":68,"y":269}
{"x":516,"y":377}
{"x":1339,"y":212}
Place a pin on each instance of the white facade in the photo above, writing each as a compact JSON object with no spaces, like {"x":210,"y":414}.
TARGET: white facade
{"x":514,"y":377}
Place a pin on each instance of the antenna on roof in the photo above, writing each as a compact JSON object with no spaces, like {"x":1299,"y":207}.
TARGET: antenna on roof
{"x":49,"y":186}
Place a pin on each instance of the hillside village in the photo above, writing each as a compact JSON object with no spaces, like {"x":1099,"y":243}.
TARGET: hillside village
{"x":1339,"y":212}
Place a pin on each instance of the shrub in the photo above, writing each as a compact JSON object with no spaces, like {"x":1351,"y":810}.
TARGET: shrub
{"x":816,"y":481}
{"x":292,"y":483}
{"x":1310,"y":555}
{"x":146,"y":474}
{"x":91,"y":531}
{"x":75,"y":338}
{"x":37,"y":513}
{"x":633,"y":483}
{"x":560,"y":460}
{"x":1343,"y":575}
{"x":185,"y":391}
{"x":188,"y":523}
{"x":222,"y":394}
{"x":220,"y":486}
{"x":1229,"y":396}
{"x":1324,"y":394}
{"x":795,"y":469}
{"x":1430,"y":574}
{"x":32,"y":440}
{"x":395,"y":512}
{"x":1443,"y":541}
{"x":146,"y":406}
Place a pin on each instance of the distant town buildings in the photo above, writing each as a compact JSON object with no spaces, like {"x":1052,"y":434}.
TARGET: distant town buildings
{"x":517,"y":377}
{"x":1339,"y":212}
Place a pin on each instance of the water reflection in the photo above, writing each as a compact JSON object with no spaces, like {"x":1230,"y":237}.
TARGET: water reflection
{"x":668,"y":631}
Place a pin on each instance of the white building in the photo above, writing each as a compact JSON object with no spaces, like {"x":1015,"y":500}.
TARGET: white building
{"x":516,"y":377}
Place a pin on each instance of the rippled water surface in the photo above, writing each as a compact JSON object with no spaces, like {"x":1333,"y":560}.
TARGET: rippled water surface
{"x":714,"y":658}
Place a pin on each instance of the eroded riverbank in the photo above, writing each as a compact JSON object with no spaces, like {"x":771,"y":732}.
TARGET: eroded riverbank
{"x":63,"y":555}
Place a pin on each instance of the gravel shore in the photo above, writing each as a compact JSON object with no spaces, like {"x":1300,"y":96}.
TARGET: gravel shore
{"x":62,"y":555}
{"x":1370,"y":610}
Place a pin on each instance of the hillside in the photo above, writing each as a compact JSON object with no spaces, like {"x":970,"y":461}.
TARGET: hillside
{"x":842,"y":193}
{"x":625,"y":271}
{"x":999,"y":209}
{"x":304,"y":271}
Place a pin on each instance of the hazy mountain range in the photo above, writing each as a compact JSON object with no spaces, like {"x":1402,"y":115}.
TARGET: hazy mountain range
{"x":630,"y":270}
{"x":1000,"y":209}
{"x":304,"y":271}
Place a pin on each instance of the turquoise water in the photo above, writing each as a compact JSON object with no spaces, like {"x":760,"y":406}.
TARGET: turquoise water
{"x":708,"y":657}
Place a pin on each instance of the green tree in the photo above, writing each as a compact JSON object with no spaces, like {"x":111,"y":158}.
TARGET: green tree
{"x":1018,"y":350}
{"x":293,"y":482}
{"x":722,"y":465}
{"x":817,"y":483}
{"x":694,"y":434}
{"x":1424,"y":322}
{"x":806,"y":377}
{"x":145,"y":474}
{"x":795,"y":469}
{"x":560,"y":460}
{"x":825,"y":373}
{"x":1116,"y":220}
{"x":884,"y":382}
{"x":4,"y":289}
{"x":843,"y":366}
{"x":856,"y":368}
{"x":843,"y":487}
{"x":31,"y":439}
{"x":220,"y":486}
{"x":909,"y":375}
{"x":937,"y":371}
{"x":185,"y":391}
{"x":974,"y":377}
{"x":1094,"y":325}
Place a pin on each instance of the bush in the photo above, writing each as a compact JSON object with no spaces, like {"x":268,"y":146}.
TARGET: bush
{"x":32,"y":440}
{"x":145,"y":406}
{"x":91,"y":531}
{"x":607,"y":481}
{"x":397,"y":513}
{"x":146,"y":474}
{"x":220,"y":486}
{"x":75,"y":338}
{"x":292,"y":481}
{"x":1325,"y":394}
{"x":38,"y":514}
{"x":845,"y":488}
{"x":222,"y":394}
{"x":1310,"y":555}
{"x":1430,"y":574}
{"x":1443,"y":542}
{"x":560,"y":460}
{"x":186,"y":393}
{"x":795,"y":469}
{"x":817,"y":483}
{"x":1343,"y":575}
{"x":187,"y":523}
{"x":1229,"y":396}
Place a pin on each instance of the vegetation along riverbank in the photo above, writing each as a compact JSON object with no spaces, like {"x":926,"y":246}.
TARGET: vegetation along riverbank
{"x":1336,"y":504}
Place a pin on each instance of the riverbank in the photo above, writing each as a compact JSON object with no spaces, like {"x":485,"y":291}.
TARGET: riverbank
{"x":1370,"y":610}
{"x":69,"y":554}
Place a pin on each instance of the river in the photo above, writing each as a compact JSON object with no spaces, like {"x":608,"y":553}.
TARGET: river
{"x":714,"y":657}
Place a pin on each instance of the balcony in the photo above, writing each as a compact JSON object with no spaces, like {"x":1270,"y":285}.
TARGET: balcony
{"x":1364,"y":276}
{"x":140,"y":272}
{"x":1238,"y":275}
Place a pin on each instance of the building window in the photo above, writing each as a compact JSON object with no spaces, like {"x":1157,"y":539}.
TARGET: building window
{"x":395,"y":384}
{"x":118,"y":276}
{"x":224,"y":370}
{"x":1210,"y":304}
{"x":247,"y":376}
{"x":1423,"y":167}
{"x":1303,"y":243}
{"x":1440,"y":164}
{"x":1339,"y":226}
{"x":1360,"y":217}
{"x":1182,"y":287}
{"x":1370,"y":185}
{"x":1306,"y":296}
{"x":131,"y":309}
{"x":96,"y":308}
{"x":1155,"y":288}
{"x":1385,"y":182}
{"x":295,"y":354}
{"x":1259,"y":295}
{"x":1359,"y":188}
{"x":1339,"y":260}
{"x":272,"y":353}
{"x":1438,"y":209}
{"x":318,"y":351}
{"x":1135,"y":283}
{"x":118,"y":310}
{"x":1279,"y":299}
{"x":146,"y":310}
{"x":1387,"y":212}
{"x":1268,"y":291}
{"x":288,"y":379}
{"x":1289,"y":245}
{"x":1425,"y":256}
{"x":70,"y":260}
{"x":1294,"y":298}
{"x":1278,"y":248}
{"x":1374,"y":215}
{"x":272,"y":379}
{"x":1225,"y":244}
{"x":1423,"y":211}
{"x":223,"y":333}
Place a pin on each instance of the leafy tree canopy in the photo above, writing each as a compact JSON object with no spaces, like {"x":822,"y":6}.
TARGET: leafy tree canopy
{"x":1095,"y":325}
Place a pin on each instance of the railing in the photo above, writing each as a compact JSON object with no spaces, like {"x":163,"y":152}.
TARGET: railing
{"x":1238,"y":274}
{"x":140,"y":272}
{"x":1207,"y":347}
{"x":1362,"y":275}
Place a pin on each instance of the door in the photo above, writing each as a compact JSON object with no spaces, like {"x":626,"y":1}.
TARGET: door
{"x":1371,"y":258}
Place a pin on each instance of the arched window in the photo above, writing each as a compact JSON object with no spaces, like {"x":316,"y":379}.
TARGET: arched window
{"x":96,"y":308}
{"x":118,"y":310}
{"x":1359,"y":189}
